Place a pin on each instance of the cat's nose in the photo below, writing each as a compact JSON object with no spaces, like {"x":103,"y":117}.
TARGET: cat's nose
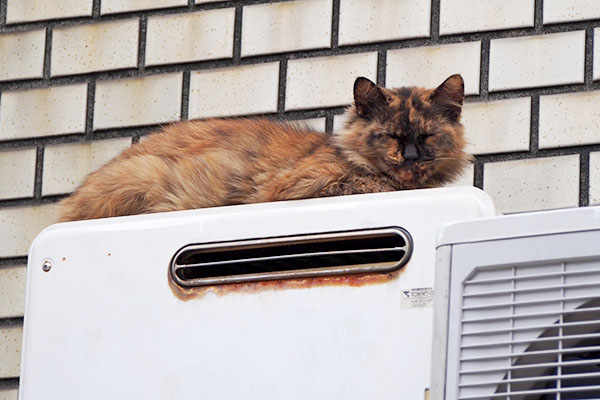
{"x":410,"y":152}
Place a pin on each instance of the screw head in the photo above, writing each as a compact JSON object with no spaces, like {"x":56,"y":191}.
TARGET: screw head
{"x":46,"y":266}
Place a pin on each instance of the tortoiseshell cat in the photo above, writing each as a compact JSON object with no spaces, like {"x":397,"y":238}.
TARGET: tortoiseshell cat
{"x":393,"y":139}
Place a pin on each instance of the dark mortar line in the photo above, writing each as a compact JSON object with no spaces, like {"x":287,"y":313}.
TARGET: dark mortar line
{"x":534,"y":127}
{"x":96,"y":8}
{"x":329,"y":123}
{"x":9,"y":383}
{"x":282,"y":87}
{"x":484,"y":70}
{"x":541,"y":153}
{"x":540,"y":91}
{"x":538,"y":19}
{"x":89,"y":108}
{"x":47,"y":54}
{"x":237,"y":35}
{"x":588,"y":71}
{"x":434,"y":27}
{"x":32,"y":202}
{"x":11,"y":322}
{"x":79,"y":137}
{"x":39,"y":171}
{"x":3,"y":8}
{"x":191,"y":4}
{"x":335,"y":23}
{"x":142,"y":44}
{"x":478,"y":173}
{"x":584,"y":179}
{"x":185,"y":96}
{"x":7,"y":262}
{"x":381,"y":67}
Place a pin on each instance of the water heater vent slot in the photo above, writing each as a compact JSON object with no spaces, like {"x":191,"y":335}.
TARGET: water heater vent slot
{"x":316,"y":255}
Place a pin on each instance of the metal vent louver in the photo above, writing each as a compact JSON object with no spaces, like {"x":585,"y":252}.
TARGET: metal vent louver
{"x":531,"y":332}
{"x":325,"y":254}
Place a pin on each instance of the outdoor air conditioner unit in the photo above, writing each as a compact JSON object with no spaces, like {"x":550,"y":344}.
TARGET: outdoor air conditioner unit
{"x":517,"y":308}
{"x":312,"y":299}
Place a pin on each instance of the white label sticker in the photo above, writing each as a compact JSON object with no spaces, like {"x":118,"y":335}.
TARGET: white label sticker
{"x":417,"y":298}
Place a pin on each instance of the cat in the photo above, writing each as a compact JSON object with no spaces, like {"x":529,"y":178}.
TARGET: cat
{"x":393,"y":139}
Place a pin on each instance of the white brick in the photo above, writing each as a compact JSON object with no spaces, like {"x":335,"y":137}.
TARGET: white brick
{"x":530,"y":61}
{"x":569,"y":119}
{"x":10,"y":351}
{"x":17,"y":173}
{"x":51,"y":111}
{"x":460,"y":16}
{"x":326,"y":81}
{"x":22,"y":55}
{"x":497,"y":126}
{"x":465,"y":179}
{"x":8,"y":394}
{"x":66,"y":166}
{"x":286,"y":26}
{"x":117,"y":6}
{"x":95,"y":47}
{"x":207,"y":1}
{"x":339,"y":121}
{"x":12,"y":291}
{"x":243,"y":90}
{"x":536,"y":184}
{"x":596,"y":54}
{"x":595,"y":178}
{"x":365,"y":21}
{"x":35,"y":10}
{"x":188,"y":37}
{"x":429,"y":66}
{"x":311,"y":123}
{"x":20,"y":225}
{"x":138,"y":101}
{"x":570,"y":10}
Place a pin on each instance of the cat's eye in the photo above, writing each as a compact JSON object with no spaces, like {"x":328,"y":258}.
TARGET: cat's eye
{"x":425,"y":136}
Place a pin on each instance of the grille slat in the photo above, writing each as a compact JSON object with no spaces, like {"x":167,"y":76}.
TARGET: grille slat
{"x":532,"y":366}
{"x":326,"y":254}
{"x":492,"y":293}
{"x":533,"y":379}
{"x":524,"y":303}
{"x":530,"y":331}
{"x":531,"y":328}
{"x":531,"y":315}
{"x":290,"y":256}
{"x":526,"y":341}
{"x":532,"y":392}
{"x":533,"y":353}
{"x":531,"y":277}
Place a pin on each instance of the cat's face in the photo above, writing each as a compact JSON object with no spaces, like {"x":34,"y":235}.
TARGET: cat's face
{"x":412,"y":135}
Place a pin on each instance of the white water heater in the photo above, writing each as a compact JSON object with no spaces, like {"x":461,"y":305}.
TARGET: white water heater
{"x":312,"y":299}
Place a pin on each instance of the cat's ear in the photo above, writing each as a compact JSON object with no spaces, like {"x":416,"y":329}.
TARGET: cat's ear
{"x":449,"y":95}
{"x":368,"y":97}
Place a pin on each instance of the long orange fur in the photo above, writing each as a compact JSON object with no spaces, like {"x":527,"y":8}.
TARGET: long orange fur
{"x":217,"y":162}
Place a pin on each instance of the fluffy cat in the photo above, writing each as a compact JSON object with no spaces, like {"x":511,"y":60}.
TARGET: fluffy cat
{"x":394,"y":139}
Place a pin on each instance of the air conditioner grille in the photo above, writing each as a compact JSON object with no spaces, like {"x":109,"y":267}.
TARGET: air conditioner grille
{"x":531,"y":332}
{"x":325,"y":254}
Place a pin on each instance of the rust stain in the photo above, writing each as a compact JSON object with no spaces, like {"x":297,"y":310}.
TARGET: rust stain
{"x":356,"y":280}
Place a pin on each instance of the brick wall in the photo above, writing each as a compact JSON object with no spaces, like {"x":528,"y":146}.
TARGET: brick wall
{"x":80,"y":80}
